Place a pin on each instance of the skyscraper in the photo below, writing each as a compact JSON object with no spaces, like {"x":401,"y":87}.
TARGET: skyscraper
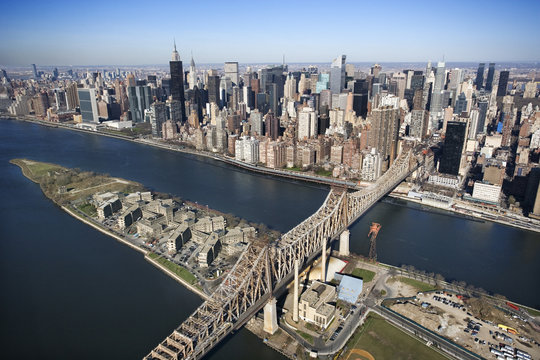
{"x":36,"y":75}
{"x":503,"y":83}
{"x":384,"y":132}
{"x":490,"y":75}
{"x":461,"y":104}
{"x":337,"y":74}
{"x":231,"y":71}
{"x":192,"y":77}
{"x":453,"y":147}
{"x":436,"y":105}
{"x":480,"y":76}
{"x":177,"y":81}
{"x":88,"y":105}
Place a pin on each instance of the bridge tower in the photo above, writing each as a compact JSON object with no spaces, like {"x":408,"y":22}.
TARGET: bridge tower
{"x":344,"y":243}
{"x":323,"y":260}
{"x":270,"y":317}
{"x":373,"y":231}
{"x":296,"y":285}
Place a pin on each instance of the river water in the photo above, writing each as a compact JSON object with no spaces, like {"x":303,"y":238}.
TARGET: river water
{"x":69,"y":291}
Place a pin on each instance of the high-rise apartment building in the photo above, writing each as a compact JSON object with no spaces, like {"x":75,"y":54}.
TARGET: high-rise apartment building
{"x":307,"y":123}
{"x":384,"y":132}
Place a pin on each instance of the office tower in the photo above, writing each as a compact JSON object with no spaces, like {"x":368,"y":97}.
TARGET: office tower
{"x":231,"y":71}
{"x":503,"y":83}
{"x":140,"y":98}
{"x":337,"y":74}
{"x":375,"y":70}
{"x":417,"y":80}
{"x":480,"y":76}
{"x":401,"y":83}
{"x":360,"y":98}
{"x":152,"y":79}
{"x":307,"y":123}
{"x":72,"y":99}
{"x":322,"y":83}
{"x":461,"y":104}
{"x":453,"y":147}
{"x":384,"y":132}
{"x":177,"y":81}
{"x":88,"y":105}
{"x":213,"y":89}
{"x":192,"y":77}
{"x":271,"y":125}
{"x":456,"y":78}
{"x":438,"y":87}
{"x":490,"y":75}
{"x":36,"y":75}
{"x":289,"y":92}
{"x":157,"y":116}
{"x":482,"y":112}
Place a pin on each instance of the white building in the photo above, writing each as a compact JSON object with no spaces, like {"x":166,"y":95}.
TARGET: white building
{"x":247,"y":149}
{"x":486,"y":192}
{"x":307,"y":123}
{"x":371,"y":166}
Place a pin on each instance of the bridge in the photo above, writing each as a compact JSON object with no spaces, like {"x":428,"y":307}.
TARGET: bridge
{"x":264,"y":270}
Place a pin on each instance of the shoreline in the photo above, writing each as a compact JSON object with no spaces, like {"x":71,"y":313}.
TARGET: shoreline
{"x":287,"y":174}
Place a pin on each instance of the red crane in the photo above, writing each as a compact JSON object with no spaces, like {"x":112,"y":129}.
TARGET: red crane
{"x":373,"y":231}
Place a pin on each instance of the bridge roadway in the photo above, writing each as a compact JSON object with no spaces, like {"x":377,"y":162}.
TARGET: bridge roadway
{"x":264,"y":270}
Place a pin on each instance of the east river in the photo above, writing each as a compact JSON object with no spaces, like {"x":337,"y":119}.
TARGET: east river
{"x":69,"y":291}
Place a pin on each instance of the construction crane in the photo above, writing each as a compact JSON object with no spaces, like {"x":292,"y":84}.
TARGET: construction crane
{"x":373,"y":231}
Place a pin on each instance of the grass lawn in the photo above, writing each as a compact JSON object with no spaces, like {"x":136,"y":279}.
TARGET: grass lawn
{"x":384,"y":341}
{"x":419,"y":285}
{"x":322,"y":172}
{"x":532,"y":312}
{"x":177,"y":269}
{"x":306,"y":336}
{"x":88,"y":209}
{"x":366,"y":275}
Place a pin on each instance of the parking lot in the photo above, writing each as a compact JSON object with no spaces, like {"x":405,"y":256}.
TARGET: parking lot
{"x":448,"y":315}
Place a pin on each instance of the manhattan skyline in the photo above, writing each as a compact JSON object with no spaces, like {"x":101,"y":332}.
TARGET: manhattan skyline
{"x":136,"y":33}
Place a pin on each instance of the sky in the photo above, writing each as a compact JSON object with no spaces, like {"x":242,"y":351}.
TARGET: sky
{"x":141,"y":32}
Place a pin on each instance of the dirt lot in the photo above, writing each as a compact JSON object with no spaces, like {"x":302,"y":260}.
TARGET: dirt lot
{"x":453,"y":319}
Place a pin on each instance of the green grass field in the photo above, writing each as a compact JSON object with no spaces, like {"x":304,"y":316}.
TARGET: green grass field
{"x":384,"y":341}
{"x":306,"y":336}
{"x":366,"y":275}
{"x":419,"y":285}
{"x":88,"y":209}
{"x":177,"y":269}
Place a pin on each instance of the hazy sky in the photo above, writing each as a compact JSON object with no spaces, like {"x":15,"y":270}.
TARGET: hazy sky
{"x":141,"y":32}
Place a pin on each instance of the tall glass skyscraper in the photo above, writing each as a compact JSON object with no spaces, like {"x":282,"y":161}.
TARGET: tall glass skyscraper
{"x":480,"y":76}
{"x":490,"y":75}
{"x":177,"y":81}
{"x":337,"y":74}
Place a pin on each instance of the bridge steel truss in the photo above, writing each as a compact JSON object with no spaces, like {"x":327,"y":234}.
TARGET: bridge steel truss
{"x":262,"y":269}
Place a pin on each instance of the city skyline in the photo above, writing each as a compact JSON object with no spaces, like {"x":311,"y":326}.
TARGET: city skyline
{"x":217,"y":32}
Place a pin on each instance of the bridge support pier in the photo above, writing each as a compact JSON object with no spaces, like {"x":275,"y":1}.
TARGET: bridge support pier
{"x":344,"y":243}
{"x":296,"y":285}
{"x":270,"y":317}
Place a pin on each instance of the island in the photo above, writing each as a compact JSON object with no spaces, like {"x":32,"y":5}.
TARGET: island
{"x":192,"y":243}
